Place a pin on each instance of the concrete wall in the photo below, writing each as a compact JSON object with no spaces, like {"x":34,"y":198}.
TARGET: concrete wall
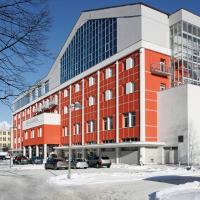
{"x":153,"y":155}
{"x":178,"y":114}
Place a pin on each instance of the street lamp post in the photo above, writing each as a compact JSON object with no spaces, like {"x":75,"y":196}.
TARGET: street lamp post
{"x":72,"y":106}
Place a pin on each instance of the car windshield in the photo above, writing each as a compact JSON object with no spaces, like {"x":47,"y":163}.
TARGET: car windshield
{"x":105,"y":157}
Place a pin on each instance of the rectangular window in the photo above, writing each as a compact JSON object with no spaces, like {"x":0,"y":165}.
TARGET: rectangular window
{"x":46,"y":86}
{"x":32,"y":133}
{"x":4,"y":138}
{"x":91,"y":81}
{"x":180,"y":139}
{"x":108,"y":73}
{"x":108,"y":123}
{"x":90,"y":125}
{"x":39,"y":132}
{"x":39,"y":91}
{"x":65,"y":109}
{"x":108,"y":95}
{"x":77,"y":129}
{"x":65,"y":93}
{"x":65,"y":131}
{"x":77,"y":87}
{"x":130,"y":87}
{"x":129,"y":119}
{"x":129,"y":63}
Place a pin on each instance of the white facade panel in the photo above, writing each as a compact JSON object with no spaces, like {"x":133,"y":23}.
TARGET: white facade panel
{"x":178,"y":115}
{"x":42,"y":119}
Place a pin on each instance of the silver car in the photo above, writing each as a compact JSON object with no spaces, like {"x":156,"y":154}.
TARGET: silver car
{"x":79,"y":163}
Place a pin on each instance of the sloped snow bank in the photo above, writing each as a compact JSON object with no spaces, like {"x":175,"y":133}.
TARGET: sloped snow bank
{"x":185,"y":191}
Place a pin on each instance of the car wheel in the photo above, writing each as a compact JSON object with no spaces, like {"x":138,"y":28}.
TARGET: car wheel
{"x":85,"y":167}
{"x":97,"y":166}
{"x":108,"y":166}
{"x":55,"y":167}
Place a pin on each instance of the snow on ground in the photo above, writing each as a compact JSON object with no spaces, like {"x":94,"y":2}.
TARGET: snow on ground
{"x":27,"y":167}
{"x":184,"y":192}
{"x":120,"y":173}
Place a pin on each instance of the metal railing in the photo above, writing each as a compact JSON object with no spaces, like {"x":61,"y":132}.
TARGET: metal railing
{"x":160,"y":69}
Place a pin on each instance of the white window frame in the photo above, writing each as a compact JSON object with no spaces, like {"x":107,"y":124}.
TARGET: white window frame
{"x":77,"y":107}
{"x":65,"y":93}
{"x":91,"y":81}
{"x":77,"y":129}
{"x":130,"y":87}
{"x":77,"y":87}
{"x":108,"y":120}
{"x":108,"y":73}
{"x":108,"y":95}
{"x":90,"y":126}
{"x":129,"y":63}
{"x":91,"y":101}
{"x":65,"y":110}
{"x":65,"y":131}
{"x":40,"y":132}
{"x":130,"y":115}
{"x":32,"y":133}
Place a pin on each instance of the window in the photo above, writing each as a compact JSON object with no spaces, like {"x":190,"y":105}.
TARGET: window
{"x":129,"y":119}
{"x":91,"y":101}
{"x":129,"y":63}
{"x":23,"y":114}
{"x":4,"y":138}
{"x":46,"y":86}
{"x":28,"y":111}
{"x":77,"y":87}
{"x":162,"y":86}
{"x":180,"y":138}
{"x":4,"y":132}
{"x":18,"y":126}
{"x":65,"y":109}
{"x":15,"y":140}
{"x":32,"y":133}
{"x":19,"y":140}
{"x":65,"y":93}
{"x":162,"y":65}
{"x":130,"y":87}
{"x":78,"y":106}
{"x":26,"y":135}
{"x":91,"y":81}
{"x":39,"y":132}
{"x":18,"y":116}
{"x":90,"y":126}
{"x":77,"y":129}
{"x":108,"y":123}
{"x":39,"y":91}
{"x":108,"y":95}
{"x":65,"y":131}
{"x":108,"y":73}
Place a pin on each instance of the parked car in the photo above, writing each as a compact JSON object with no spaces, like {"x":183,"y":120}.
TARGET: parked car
{"x":36,"y":160}
{"x":20,"y":160}
{"x":96,"y":161}
{"x":8,"y":157}
{"x":2,"y":157}
{"x":79,"y":163}
{"x":56,"y":163}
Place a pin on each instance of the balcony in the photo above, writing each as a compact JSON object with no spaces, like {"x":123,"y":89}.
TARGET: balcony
{"x":160,"y":69}
{"x":45,"y":106}
{"x":38,"y":109}
{"x":53,"y":102}
{"x":42,"y":119}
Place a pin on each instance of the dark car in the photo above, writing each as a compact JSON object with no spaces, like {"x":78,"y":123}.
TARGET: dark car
{"x":56,"y":163}
{"x":96,"y":161}
{"x":20,"y":160}
{"x":2,"y":157}
{"x":36,"y":160}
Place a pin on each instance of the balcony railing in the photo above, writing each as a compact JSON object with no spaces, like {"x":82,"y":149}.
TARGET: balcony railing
{"x":45,"y":106}
{"x":160,"y":69}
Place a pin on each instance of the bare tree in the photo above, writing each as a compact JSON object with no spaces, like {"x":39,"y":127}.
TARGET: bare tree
{"x":23,"y":28}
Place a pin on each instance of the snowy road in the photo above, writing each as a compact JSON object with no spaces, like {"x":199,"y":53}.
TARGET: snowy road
{"x":30,"y":182}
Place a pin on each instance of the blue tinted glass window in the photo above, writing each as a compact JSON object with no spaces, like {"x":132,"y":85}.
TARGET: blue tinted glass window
{"x":93,"y":42}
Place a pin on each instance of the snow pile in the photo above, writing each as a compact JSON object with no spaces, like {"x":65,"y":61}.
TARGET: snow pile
{"x":4,"y":126}
{"x":184,"y":192}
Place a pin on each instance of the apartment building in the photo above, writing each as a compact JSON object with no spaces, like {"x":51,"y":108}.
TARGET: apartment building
{"x":5,"y":139}
{"x":113,"y":65}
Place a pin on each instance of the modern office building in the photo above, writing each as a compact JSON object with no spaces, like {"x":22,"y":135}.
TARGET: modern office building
{"x":113,"y":65}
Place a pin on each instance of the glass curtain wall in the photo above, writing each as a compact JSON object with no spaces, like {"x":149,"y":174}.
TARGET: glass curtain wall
{"x":185,"y":45}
